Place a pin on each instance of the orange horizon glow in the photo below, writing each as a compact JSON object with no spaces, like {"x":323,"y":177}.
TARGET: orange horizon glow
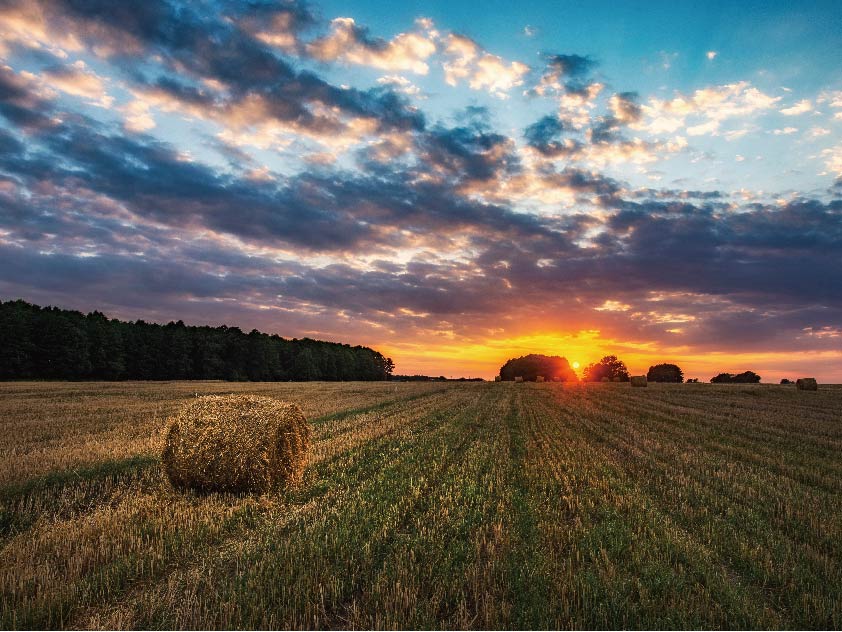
{"x":484,"y":358}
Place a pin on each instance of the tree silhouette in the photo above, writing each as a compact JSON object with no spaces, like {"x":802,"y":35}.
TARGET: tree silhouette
{"x":529,"y":367}
{"x":51,"y":343}
{"x":665,"y":373}
{"x":608,"y":367}
{"x":747,"y":377}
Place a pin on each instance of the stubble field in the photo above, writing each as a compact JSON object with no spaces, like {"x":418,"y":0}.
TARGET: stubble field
{"x":427,"y":505}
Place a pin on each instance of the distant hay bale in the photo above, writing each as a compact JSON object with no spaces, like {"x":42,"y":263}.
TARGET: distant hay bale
{"x":638,"y":380}
{"x":497,"y":378}
{"x":236,"y":443}
{"x":539,"y":378}
{"x":606,"y":379}
{"x":806,"y":384}
{"x":616,"y":379}
{"x":519,"y":378}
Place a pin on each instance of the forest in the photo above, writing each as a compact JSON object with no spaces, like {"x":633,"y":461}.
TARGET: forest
{"x":58,"y":344}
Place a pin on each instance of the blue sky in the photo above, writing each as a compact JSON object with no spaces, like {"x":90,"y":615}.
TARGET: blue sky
{"x":451,"y":185}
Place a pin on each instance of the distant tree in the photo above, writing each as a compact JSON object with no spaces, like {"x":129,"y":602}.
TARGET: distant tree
{"x":531,"y":366}
{"x":665,"y":373}
{"x":388,"y":367}
{"x":62,"y":344}
{"x":107,"y":354}
{"x":693,"y":380}
{"x":305,"y":368}
{"x":787,"y":381}
{"x":17,"y":350}
{"x":609,"y":367}
{"x":747,"y":377}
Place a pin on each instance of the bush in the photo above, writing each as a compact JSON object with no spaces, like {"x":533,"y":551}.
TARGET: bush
{"x":747,"y":377}
{"x":665,"y":373}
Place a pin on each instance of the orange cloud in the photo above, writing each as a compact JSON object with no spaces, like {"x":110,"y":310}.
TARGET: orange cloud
{"x":347,"y":42}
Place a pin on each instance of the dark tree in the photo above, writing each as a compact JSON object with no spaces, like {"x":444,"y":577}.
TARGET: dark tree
{"x":748,"y":377}
{"x":531,"y":366}
{"x":51,"y":343}
{"x":609,"y":367}
{"x":665,"y":373}
{"x":389,"y":366}
{"x":787,"y":381}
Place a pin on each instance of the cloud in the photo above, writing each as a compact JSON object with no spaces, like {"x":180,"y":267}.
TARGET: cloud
{"x":802,"y":107}
{"x":625,"y":108}
{"x":351,"y":43}
{"x":288,"y":202}
{"x":833,"y":159}
{"x":708,"y":108}
{"x":400,"y":84}
{"x":467,"y":61}
{"x":23,"y":101}
{"x":711,"y":54}
{"x":218,"y":70}
{"x":565,"y":73}
{"x":78,"y":80}
{"x":546,"y":135}
{"x":278,"y":24}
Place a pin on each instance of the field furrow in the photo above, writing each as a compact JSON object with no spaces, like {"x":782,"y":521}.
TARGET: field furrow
{"x":433,"y":506}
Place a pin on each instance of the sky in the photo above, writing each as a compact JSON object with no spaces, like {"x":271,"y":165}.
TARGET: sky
{"x":450,"y":183}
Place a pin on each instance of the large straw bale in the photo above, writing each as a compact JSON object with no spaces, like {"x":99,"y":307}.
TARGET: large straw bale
{"x":518,"y":378}
{"x":236,"y":443}
{"x":539,"y":378}
{"x":806,"y":384}
{"x":638,"y":380}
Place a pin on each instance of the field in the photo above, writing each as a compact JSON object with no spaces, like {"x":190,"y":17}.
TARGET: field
{"x":433,"y":505}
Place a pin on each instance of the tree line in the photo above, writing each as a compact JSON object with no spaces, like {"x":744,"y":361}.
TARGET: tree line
{"x":608,"y":369}
{"x":53,"y":343}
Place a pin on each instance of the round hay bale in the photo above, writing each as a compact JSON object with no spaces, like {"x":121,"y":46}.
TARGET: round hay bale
{"x":638,"y":380}
{"x":236,"y":443}
{"x":518,"y":378}
{"x":605,"y":379}
{"x":806,"y":384}
{"x":539,"y":378}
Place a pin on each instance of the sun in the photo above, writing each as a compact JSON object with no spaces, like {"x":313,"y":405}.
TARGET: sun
{"x":575,"y":365}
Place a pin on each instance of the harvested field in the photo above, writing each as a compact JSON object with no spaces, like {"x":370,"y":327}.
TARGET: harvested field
{"x":425,"y":505}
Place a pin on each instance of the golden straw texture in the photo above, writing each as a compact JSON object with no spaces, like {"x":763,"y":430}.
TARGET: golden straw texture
{"x":236,"y":443}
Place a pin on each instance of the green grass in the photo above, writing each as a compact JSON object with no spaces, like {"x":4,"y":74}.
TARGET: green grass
{"x":458,"y":506}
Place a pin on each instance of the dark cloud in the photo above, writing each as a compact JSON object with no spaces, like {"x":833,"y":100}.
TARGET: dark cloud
{"x":573,"y":71}
{"x":626,"y":107}
{"x":205,"y":46}
{"x":472,"y":152}
{"x":94,"y":214}
{"x":547,"y":135}
{"x":19,"y":104}
{"x":571,"y":66}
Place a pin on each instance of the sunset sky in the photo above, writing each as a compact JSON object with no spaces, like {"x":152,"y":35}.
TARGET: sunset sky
{"x":452,"y":183}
